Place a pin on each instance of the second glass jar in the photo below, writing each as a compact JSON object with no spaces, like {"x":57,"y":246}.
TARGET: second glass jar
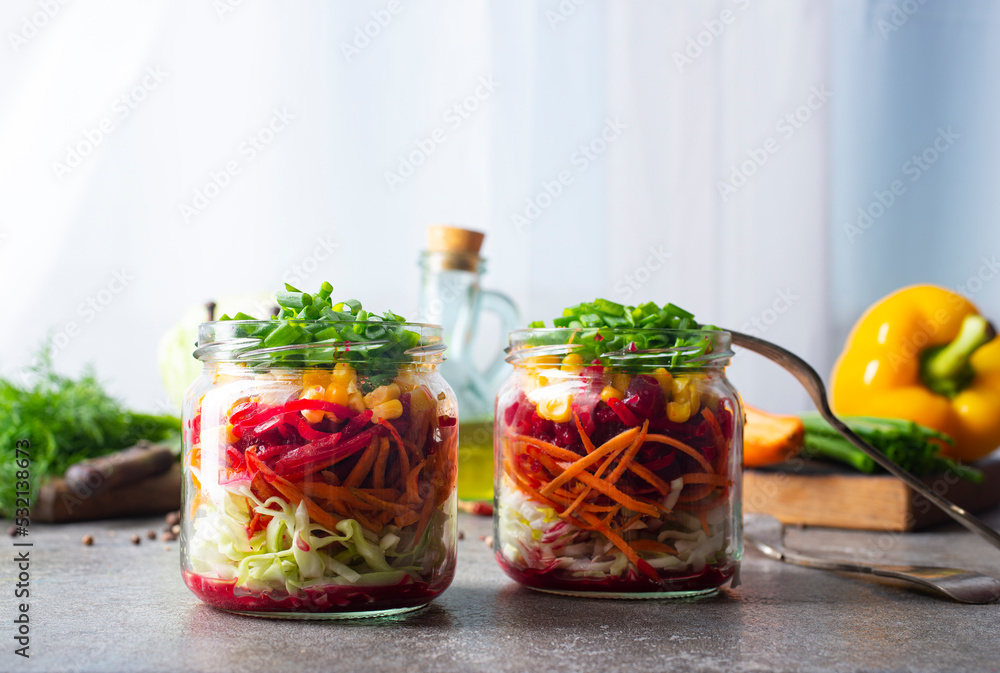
{"x":619,"y":477}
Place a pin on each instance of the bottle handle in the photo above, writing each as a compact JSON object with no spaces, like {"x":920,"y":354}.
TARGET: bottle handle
{"x":504,"y":307}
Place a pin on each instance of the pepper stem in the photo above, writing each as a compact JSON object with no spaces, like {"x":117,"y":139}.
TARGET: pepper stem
{"x":946,"y":369}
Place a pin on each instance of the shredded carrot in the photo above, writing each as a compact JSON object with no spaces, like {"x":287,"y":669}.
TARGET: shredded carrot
{"x":408,"y":519}
{"x":379,"y":503}
{"x":412,"y":493}
{"x":323,"y":490}
{"x":629,"y":455}
{"x":630,"y":553}
{"x":618,"y":442}
{"x":648,"y":476}
{"x":364,"y":465}
{"x":663,"y":439}
{"x":551,"y":449}
{"x":629,"y":523}
{"x":626,"y":500}
{"x":404,"y":460}
{"x":720,"y":439}
{"x":611,"y":515}
{"x":378,"y":478}
{"x":292,"y":494}
{"x":425,"y":518}
{"x":584,"y":437}
{"x":703,"y":517}
{"x":697,"y":494}
{"x":651,"y":545}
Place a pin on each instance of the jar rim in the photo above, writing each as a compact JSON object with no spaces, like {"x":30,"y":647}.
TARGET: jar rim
{"x":711,"y":352}
{"x":232,"y":341}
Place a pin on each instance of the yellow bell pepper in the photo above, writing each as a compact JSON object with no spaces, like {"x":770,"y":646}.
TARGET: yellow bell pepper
{"x":925,"y":354}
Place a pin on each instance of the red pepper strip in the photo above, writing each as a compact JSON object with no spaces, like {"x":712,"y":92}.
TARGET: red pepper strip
{"x":302,"y":455}
{"x":308,"y":463}
{"x":241,"y":411}
{"x":308,"y":433}
{"x":338,"y":410}
{"x":235,"y":458}
{"x":272,"y":450}
{"x":294,"y":495}
{"x":661,"y":463}
{"x":623,"y":412}
{"x":447,"y":421}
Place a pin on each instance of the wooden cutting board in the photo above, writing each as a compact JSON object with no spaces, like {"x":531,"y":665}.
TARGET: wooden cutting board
{"x":816,"y":494}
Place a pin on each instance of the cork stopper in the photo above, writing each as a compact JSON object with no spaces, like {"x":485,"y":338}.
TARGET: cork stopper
{"x":444,"y":238}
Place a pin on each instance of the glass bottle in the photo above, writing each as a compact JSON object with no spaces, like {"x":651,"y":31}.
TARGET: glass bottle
{"x":451,"y":296}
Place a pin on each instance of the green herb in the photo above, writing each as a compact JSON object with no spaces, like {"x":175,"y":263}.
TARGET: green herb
{"x":374,"y":345}
{"x":913,"y":447}
{"x":66,"y":421}
{"x":602,"y":329}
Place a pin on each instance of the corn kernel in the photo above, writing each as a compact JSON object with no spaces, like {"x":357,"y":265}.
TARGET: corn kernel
{"x":343,"y":373}
{"x":572,"y":363}
{"x":543,"y":361}
{"x":678,"y":412}
{"x":382,"y":394}
{"x":313,"y":393}
{"x":664,"y":378}
{"x":694,"y":399}
{"x":610,"y":392}
{"x":355,"y":402}
{"x":388,"y":410}
{"x":620,"y":380}
{"x":556,"y":409}
{"x":316,"y":377}
{"x":679,"y":387}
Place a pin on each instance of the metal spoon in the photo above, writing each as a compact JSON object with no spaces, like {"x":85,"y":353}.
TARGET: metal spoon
{"x":768,"y":535}
{"x":813,"y":384}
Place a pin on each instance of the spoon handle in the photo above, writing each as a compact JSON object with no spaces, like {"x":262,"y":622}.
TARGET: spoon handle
{"x":813,"y":384}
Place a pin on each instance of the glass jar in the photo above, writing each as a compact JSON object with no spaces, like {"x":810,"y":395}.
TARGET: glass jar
{"x":619,"y":476}
{"x":319,"y":479}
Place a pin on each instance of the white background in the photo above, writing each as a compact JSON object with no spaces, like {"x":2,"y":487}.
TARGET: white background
{"x":697,"y":87}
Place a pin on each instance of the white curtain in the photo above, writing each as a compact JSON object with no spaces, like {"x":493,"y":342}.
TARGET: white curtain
{"x":694,"y":152}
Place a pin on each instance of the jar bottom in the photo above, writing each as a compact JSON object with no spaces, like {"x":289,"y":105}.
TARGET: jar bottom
{"x":329,"y":616}
{"x":660,"y":595}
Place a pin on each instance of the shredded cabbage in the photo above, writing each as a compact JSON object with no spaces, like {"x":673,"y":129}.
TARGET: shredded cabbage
{"x":293,"y":553}
{"x":532,"y":536}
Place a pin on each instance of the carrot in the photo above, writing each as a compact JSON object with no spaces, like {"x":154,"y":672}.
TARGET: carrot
{"x":607,"y":489}
{"x":611,"y":515}
{"x":378,"y":478}
{"x":663,"y":439}
{"x":630,"y":553}
{"x":587,"y":490}
{"x":294,"y":495}
{"x":713,"y":423}
{"x":379,"y":503}
{"x":618,"y":442}
{"x":652,"y":545}
{"x":703,"y":517}
{"x":648,"y":476}
{"x":328,"y":492}
{"x":697,"y":494}
{"x":769,"y":438}
{"x":584,"y":437}
{"x":408,"y":519}
{"x":551,"y":449}
{"x":412,"y":493}
{"x":629,"y":455}
{"x":363,"y":466}
{"x":425,"y":518}
{"x":404,"y":459}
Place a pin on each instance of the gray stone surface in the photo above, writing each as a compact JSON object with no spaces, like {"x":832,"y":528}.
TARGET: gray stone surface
{"x":117,"y":607}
